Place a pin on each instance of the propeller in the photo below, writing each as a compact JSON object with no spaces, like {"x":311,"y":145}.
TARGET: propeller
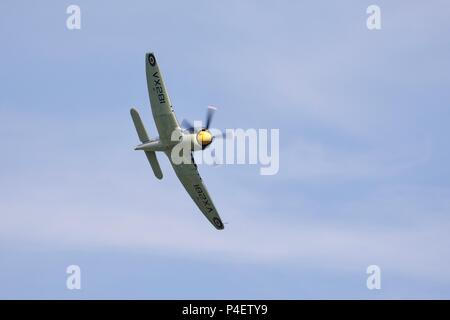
{"x":188,"y":126}
{"x":209,"y":115}
{"x":206,"y":136}
{"x":222,"y":135}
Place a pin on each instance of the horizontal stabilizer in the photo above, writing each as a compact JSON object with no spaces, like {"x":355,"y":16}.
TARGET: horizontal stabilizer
{"x":151,"y":156}
{"x":142,"y":133}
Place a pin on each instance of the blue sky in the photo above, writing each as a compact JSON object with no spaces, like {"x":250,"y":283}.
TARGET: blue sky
{"x":364,"y":176}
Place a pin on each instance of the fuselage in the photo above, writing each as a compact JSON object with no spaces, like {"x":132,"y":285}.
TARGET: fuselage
{"x":198,"y":141}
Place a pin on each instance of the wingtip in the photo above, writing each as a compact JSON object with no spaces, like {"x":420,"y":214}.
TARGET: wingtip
{"x":217,"y":223}
{"x":150,"y":59}
{"x":133,"y":110}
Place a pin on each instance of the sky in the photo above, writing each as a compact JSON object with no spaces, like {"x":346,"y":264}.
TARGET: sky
{"x":363,"y":180}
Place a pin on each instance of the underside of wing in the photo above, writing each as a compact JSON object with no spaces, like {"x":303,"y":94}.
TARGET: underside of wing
{"x":192,"y":182}
{"x":162,"y":109}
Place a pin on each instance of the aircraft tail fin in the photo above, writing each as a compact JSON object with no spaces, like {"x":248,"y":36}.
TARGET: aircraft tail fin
{"x":143,"y":137}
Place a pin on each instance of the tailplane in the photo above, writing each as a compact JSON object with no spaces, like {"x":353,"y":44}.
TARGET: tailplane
{"x":143,"y":137}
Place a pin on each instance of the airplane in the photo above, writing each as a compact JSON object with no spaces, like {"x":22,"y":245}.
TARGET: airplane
{"x":166,"y":124}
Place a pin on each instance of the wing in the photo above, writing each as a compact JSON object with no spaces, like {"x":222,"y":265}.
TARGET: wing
{"x":162,"y":110}
{"x":192,"y":182}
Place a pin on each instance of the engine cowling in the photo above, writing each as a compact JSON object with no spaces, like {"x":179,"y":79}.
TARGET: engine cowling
{"x":204,"y":138}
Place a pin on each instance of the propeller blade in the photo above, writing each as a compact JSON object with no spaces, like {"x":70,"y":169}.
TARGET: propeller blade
{"x":209,"y":115}
{"x":187,"y":125}
{"x":223,"y":135}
